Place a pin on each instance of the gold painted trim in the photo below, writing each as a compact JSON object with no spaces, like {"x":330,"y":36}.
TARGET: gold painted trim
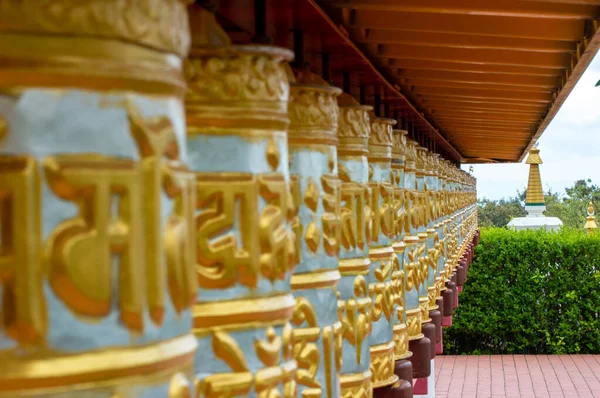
{"x":413,"y":323}
{"x":316,"y":280}
{"x":356,"y":385}
{"x":88,"y":63}
{"x":401,"y":342}
{"x":382,"y":365}
{"x":236,"y":313}
{"x":399,"y":247}
{"x":19,"y":373}
{"x":139,"y":22}
{"x":377,"y":253}
{"x":411,"y":240}
{"x":354,"y":266}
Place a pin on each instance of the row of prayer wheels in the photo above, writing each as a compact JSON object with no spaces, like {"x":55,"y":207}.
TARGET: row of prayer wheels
{"x":258,"y":233}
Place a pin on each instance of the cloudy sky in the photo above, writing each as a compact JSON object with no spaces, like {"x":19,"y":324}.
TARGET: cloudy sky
{"x":568,"y":147}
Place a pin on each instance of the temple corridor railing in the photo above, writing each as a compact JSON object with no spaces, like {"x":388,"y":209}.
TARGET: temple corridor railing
{"x":268,"y":236}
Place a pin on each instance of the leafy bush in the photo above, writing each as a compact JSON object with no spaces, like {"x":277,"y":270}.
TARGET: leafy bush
{"x":530,"y":292}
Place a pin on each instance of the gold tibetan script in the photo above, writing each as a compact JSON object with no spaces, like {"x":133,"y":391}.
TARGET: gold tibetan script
{"x":23,"y":318}
{"x":163,"y":174}
{"x":354,"y":315}
{"x":307,"y":352}
{"x":354,"y":217}
{"x":81,"y":251}
{"x":383,"y":208}
{"x":271,"y":351}
{"x":330,"y":219}
{"x":230,"y":250}
{"x":382,"y":291}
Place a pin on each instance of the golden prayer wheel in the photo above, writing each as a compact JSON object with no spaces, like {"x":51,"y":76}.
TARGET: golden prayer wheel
{"x":315,"y":186}
{"x":403,"y":367}
{"x":381,"y":253}
{"x":354,"y":300}
{"x":237,"y":113}
{"x":97,"y":243}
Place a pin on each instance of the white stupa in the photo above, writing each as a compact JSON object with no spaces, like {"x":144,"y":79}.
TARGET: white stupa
{"x":534,"y":202}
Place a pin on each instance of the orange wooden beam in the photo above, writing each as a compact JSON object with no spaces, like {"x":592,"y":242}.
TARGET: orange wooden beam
{"x":477,"y":85}
{"x":452,"y":124}
{"x":462,"y":115}
{"x":479,"y":78}
{"x":434,"y":100}
{"x":474,"y":122}
{"x":474,"y":56}
{"x":502,"y":8}
{"x":491,"y":134}
{"x":469,"y":24}
{"x":456,"y":109}
{"x":437,"y":65}
{"x":461,"y":41}
{"x":471,"y":93}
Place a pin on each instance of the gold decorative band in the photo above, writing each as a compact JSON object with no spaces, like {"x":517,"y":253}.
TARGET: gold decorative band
{"x":356,"y":385}
{"x":375,"y":157}
{"x":380,"y":252}
{"x":136,"y":22}
{"x":401,"y":342}
{"x":354,"y":266}
{"x":382,"y":365}
{"x":232,"y":314}
{"x":107,"y":366}
{"x":316,"y":280}
{"x":399,"y":247}
{"x":265,"y":382}
{"x":413,"y":323}
{"x":424,"y":305}
{"x":411,"y":239}
{"x":358,"y":142}
{"x":87,"y":63}
{"x":432,"y":296}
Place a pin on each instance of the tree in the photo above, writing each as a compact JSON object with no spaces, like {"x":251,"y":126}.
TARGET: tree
{"x":570,"y":207}
{"x":498,"y":213}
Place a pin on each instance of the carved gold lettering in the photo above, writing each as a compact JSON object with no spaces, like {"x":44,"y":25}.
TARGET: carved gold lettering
{"x":180,"y":237}
{"x":354,"y":315}
{"x":227,"y":250}
{"x":306,"y":350}
{"x":353,"y":216}
{"x":157,"y":143}
{"x":82,"y":251}
{"x":278,"y":255}
{"x":383,"y":210}
{"x":382,"y":291}
{"x":23,"y":314}
{"x":331,"y":219}
{"x":297,"y":227}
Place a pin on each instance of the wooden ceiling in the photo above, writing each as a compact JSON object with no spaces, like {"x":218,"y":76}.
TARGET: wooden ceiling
{"x":490,"y":74}
{"x":477,"y":80}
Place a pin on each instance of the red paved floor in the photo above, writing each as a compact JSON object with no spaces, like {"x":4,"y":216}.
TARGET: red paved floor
{"x":517,"y":376}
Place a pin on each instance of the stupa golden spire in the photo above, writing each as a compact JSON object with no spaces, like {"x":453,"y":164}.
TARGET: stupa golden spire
{"x":590,"y":220}
{"x":534,"y":201}
{"x":535,"y":194}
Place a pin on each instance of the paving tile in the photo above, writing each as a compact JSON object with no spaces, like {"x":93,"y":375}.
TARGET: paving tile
{"x":512,"y":376}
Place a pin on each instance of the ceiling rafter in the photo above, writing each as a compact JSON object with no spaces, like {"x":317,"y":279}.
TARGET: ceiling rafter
{"x":504,"y":8}
{"x":431,"y":39}
{"x":527,"y":28}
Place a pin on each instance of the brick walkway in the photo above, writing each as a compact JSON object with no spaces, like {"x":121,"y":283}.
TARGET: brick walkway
{"x":517,"y":376}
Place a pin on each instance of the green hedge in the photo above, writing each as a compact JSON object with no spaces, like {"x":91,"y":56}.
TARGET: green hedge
{"x":529,"y":292}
